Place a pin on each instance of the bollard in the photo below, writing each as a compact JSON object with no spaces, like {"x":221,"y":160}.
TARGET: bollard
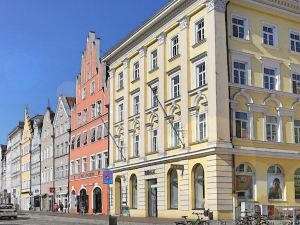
{"x":113,"y":220}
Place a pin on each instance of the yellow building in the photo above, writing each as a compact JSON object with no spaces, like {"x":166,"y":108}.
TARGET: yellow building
{"x":185,"y":135}
{"x":25,"y":162}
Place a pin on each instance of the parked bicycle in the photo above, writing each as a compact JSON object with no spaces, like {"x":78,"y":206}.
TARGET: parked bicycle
{"x":200,"y":220}
{"x":184,"y":222}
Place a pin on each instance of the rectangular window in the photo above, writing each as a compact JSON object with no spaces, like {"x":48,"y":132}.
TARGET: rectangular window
{"x":106,"y":161}
{"x":83,"y":165}
{"x":99,"y":132}
{"x":268,"y":35}
{"x":296,"y":83}
{"x":200,"y":74}
{"x":271,"y":128}
{"x":92,"y":87}
{"x":85,"y":115}
{"x":106,"y":129}
{"x":297,"y":131}
{"x":154,"y":100}
{"x":239,"y":73}
{"x":241,"y":123}
{"x":84,"y":138}
{"x":202,"y":126}
{"x":121,"y":112}
{"x":83,"y":93}
{"x":78,"y":121}
{"x":270,"y":78}
{"x":239,"y":27}
{"x":154,"y":60}
{"x":136,"y":140}
{"x":175,"y":134}
{"x":136,"y":102}
{"x":200,"y":31}
{"x":92,"y":163}
{"x":154,"y":143}
{"x":93,"y":111}
{"x":295,"y":41}
{"x":121,"y":80}
{"x":99,"y":161}
{"x":136,"y":70}
{"x":77,"y":166}
{"x":175,"y":86}
{"x":78,"y":141}
{"x":93,"y":135}
{"x":71,"y":167}
{"x":174,"y":46}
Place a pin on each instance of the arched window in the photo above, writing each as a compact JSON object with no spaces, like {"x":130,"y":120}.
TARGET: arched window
{"x":133,"y":191}
{"x":199,"y":186}
{"x":275,"y":182}
{"x":297,"y":184}
{"x":173,"y":189}
{"x":244,"y":181}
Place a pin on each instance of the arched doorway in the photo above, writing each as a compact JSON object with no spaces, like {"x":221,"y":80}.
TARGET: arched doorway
{"x":73,"y":201}
{"x":83,"y":200}
{"x":118,"y":196}
{"x":97,"y":200}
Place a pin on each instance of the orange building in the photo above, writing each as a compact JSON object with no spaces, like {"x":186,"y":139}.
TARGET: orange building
{"x":89,"y":134}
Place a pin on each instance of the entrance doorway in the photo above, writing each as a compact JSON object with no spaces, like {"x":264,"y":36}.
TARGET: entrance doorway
{"x":97,"y":198}
{"x":118,"y":196}
{"x":83,"y":201}
{"x":152,"y":198}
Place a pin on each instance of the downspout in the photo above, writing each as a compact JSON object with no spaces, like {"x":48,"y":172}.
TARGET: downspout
{"x":230,"y":121}
{"x":53,"y":167}
{"x":69,"y":131}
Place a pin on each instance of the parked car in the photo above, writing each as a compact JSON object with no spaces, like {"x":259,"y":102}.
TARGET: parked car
{"x":8,"y":211}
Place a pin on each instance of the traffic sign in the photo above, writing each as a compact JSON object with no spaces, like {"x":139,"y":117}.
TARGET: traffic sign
{"x":107,"y":177}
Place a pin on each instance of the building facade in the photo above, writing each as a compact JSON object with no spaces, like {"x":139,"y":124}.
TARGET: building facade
{"x":3,"y":196}
{"x":205,"y":110}
{"x":35,"y":163}
{"x":62,"y":131}
{"x":8,"y":168}
{"x":89,"y":142}
{"x":14,"y":140}
{"x":25,"y":161}
{"x":47,"y":162}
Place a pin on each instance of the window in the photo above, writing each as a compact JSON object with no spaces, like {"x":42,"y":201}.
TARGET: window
{"x":78,"y":119}
{"x":199,"y":31}
{"x":154,"y":60}
{"x":296,"y":83}
{"x":297,"y":184}
{"x":269,"y":33}
{"x":83,"y":93}
{"x":83,"y":165}
{"x":136,"y":140}
{"x":136,"y":102}
{"x":99,"y":132}
{"x":295,"y":41}
{"x":133,"y":191}
{"x":93,"y":111}
{"x":239,"y":73}
{"x":77,"y":166}
{"x":173,"y":189}
{"x":120,"y":149}
{"x":154,"y":140}
{"x":199,"y":186}
{"x":154,"y":100}
{"x":92,"y":87}
{"x":297,"y":131}
{"x":93,"y":135}
{"x":99,"y":108}
{"x":202,"y":126}
{"x":275,"y":183}
{"x":106,"y":160}
{"x":240,"y":27}
{"x":120,"y":112}
{"x":271,"y":128}
{"x":175,"y":86}
{"x":92,"y":163}
{"x":175,"y":134}
{"x":270,"y":78}
{"x":121,"y":80}
{"x":71,"y":167}
{"x":200,"y":74}
{"x":99,"y":161}
{"x":78,"y":141}
{"x":84,"y":138}
{"x":136,"y":71}
{"x":73,"y":143}
{"x":244,"y":181}
{"x":105,"y":129}
{"x":85,"y":115}
{"x":174,"y":46}
{"x":241,"y":124}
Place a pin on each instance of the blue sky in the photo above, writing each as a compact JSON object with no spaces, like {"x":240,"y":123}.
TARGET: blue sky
{"x":41,"y":44}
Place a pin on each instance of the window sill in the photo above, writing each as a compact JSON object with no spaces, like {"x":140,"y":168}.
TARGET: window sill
{"x":199,"y":141}
{"x":294,"y":52}
{"x":151,"y":153}
{"x":277,"y":200}
{"x":245,"y":40}
{"x":153,"y":70}
{"x":134,"y":157}
{"x":137,"y":115}
{"x":154,"y":108}
{"x":270,"y":46}
{"x":199,"y":43}
{"x":176,"y":99}
{"x":119,"y":122}
{"x":173,"y":148}
{"x":174,"y":57}
{"x":120,"y":89}
{"x":135,"y":80}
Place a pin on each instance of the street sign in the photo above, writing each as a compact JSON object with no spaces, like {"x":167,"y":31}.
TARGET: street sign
{"x":107,"y":177}
{"x":52,"y":190}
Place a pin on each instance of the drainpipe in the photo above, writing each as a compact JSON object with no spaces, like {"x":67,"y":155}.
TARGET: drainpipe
{"x":69,"y":132}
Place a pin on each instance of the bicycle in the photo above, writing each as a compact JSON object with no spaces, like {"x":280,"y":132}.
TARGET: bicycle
{"x":185,"y":222}
{"x":200,"y":221}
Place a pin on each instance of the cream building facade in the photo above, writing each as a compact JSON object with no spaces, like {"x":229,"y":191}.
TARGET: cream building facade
{"x":204,"y":101}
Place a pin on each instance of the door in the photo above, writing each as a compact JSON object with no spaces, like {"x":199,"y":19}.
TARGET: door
{"x":97,"y":200}
{"x":152,"y":198}
{"x":118,"y":196}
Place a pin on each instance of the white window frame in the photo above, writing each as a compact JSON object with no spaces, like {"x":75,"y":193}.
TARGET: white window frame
{"x":198,"y":125}
{"x":290,"y":39}
{"x":174,"y":45}
{"x":136,"y":70}
{"x":136,"y":145}
{"x":152,"y":96}
{"x":92,"y":89}
{"x":275,"y":34}
{"x":83,"y":95}
{"x":247,"y":122}
{"x":201,"y":31}
{"x":196,"y":64}
{"x":121,"y":80}
{"x":241,"y":58}
{"x":271,"y":64}
{"x":172,"y":76}
{"x":278,"y":133}
{"x":152,"y":138}
{"x":298,"y":130}
{"x":83,"y":169}
{"x":295,"y":70}
{"x":246,"y":26}
{"x":120,"y":112}
{"x":136,"y":105}
{"x":91,"y":162}
{"x":154,"y":60}
{"x":173,"y":136}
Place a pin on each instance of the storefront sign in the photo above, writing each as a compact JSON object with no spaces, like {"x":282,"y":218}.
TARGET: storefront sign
{"x":149,"y":172}
{"x":107,"y":177}
{"x":52,"y":190}
{"x":88,"y":184}
{"x":177,"y":167}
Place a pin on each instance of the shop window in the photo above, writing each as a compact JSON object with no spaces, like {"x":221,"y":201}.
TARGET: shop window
{"x":275,"y":183}
{"x":297,"y":184}
{"x":133,"y":181}
{"x":199,"y":186}
{"x":173,"y":189}
{"x":244,"y":181}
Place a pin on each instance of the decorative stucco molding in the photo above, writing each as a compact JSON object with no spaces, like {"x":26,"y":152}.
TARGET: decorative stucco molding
{"x":161,"y":38}
{"x":184,"y":23}
{"x":142,"y":51}
{"x":218,"y":5}
{"x":125,"y":63}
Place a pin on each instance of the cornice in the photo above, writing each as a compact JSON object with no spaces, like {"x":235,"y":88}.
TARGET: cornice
{"x":218,"y":5}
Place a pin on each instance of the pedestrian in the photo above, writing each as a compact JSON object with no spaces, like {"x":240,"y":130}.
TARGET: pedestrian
{"x":61,"y":207}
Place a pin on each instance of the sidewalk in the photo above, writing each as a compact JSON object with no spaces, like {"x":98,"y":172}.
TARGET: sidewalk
{"x":122,"y":220}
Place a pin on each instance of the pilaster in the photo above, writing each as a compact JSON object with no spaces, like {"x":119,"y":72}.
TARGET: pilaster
{"x":126,"y":78}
